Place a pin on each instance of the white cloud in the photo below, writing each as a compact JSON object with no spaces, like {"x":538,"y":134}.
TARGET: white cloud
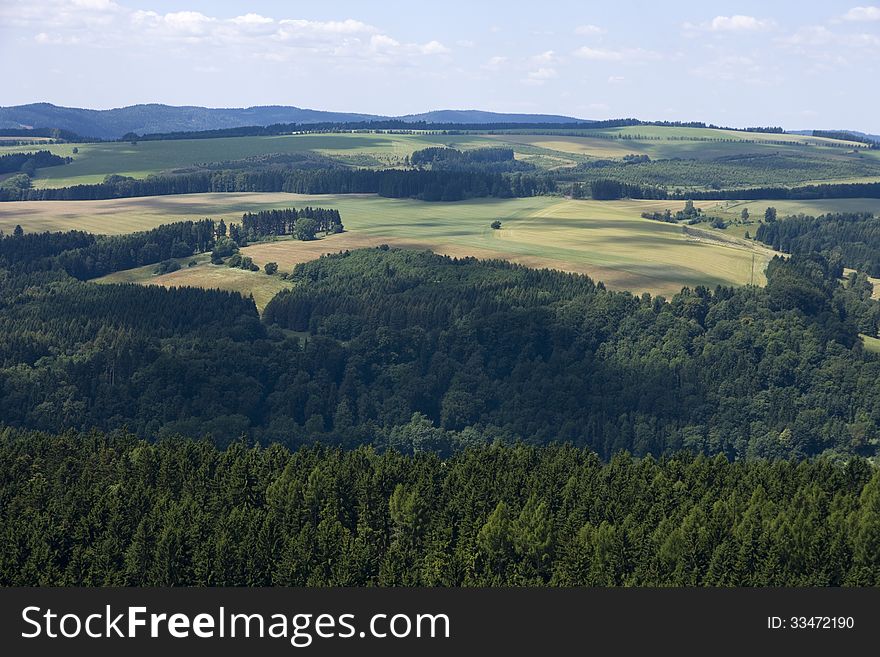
{"x":103,"y":23}
{"x":546,"y":57}
{"x":608,"y":55}
{"x":99,"y":5}
{"x":544,"y":74}
{"x":736,"y":23}
{"x":862,"y":14}
{"x":733,"y":68}
{"x":495,"y":63}
{"x":589,"y":30}
{"x":433,"y":48}
{"x":806,"y":39}
{"x":383,"y":42}
{"x":252,"y":19}
{"x":540,"y":76}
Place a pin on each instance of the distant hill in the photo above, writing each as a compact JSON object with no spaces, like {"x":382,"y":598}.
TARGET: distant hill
{"x":155,"y":118}
{"x":113,"y":123}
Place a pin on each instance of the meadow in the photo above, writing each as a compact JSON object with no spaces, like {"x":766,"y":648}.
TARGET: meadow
{"x":609,"y":241}
{"x":259,"y":285}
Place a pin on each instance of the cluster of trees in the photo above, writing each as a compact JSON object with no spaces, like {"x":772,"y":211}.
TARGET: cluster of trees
{"x":606,"y":189}
{"x":238,"y":261}
{"x":494,"y":160}
{"x":852,"y":237}
{"x":29,"y":162}
{"x":109,"y":510}
{"x":439,"y":185}
{"x":415,"y":351}
{"x":689,"y":214}
{"x":303,"y":223}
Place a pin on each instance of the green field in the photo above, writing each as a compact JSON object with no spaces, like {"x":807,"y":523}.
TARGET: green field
{"x":606,"y":240}
{"x":661,"y":142}
{"x":547,"y":151}
{"x":94,"y":161}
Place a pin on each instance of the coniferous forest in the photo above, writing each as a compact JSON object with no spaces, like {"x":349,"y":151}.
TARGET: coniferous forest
{"x":398,"y":417}
{"x":110,"y":510}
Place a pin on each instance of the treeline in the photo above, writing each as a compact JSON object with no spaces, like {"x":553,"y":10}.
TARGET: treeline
{"x":30,"y":162}
{"x":109,"y":510}
{"x":800,"y":193}
{"x":393,"y":183}
{"x":267,"y":223}
{"x":398,"y":125}
{"x":608,"y":189}
{"x":86,"y":256}
{"x":855,"y":238}
{"x":51,"y":133}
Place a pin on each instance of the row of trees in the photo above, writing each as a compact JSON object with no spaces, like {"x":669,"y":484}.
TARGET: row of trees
{"x":109,"y":510}
{"x":441,"y":185}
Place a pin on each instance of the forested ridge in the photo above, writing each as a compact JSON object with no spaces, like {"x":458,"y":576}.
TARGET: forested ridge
{"x":110,"y":510}
{"x":413,"y":351}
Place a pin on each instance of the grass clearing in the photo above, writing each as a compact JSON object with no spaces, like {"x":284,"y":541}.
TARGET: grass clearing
{"x":205,"y":275}
{"x":871,"y":344}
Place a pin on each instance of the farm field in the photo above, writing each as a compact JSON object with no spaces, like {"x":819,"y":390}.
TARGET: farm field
{"x":660,"y":142}
{"x":94,"y":161}
{"x":607,"y":240}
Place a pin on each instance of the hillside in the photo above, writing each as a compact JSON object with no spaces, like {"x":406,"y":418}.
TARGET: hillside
{"x":153,"y":118}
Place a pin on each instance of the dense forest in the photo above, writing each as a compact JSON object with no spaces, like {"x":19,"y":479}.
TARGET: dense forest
{"x":109,"y":510}
{"x":414,"y":351}
{"x":854,"y":238}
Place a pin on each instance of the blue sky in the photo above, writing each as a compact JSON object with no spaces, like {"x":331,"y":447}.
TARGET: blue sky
{"x":796,"y":64}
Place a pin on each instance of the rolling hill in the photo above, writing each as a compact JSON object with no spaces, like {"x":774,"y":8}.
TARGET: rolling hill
{"x":153,"y":118}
